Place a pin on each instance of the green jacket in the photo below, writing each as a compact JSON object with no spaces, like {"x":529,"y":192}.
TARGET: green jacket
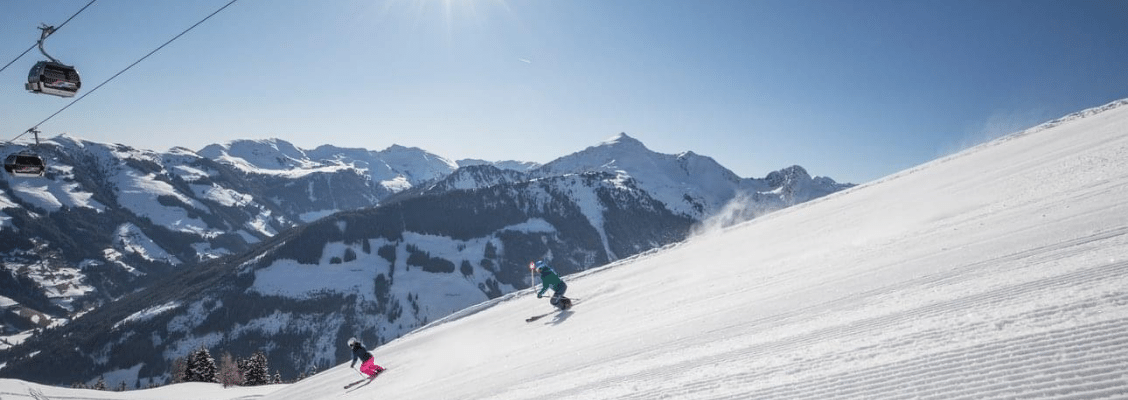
{"x":549,"y":280}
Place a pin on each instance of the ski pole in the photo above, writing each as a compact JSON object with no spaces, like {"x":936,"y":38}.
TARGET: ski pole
{"x":532,"y":276}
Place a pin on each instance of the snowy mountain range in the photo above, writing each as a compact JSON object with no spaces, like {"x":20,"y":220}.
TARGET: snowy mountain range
{"x":260,"y":245}
{"x":995,"y":273}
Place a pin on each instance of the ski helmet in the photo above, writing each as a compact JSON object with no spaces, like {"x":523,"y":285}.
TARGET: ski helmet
{"x":541,"y":265}
{"x":353,"y":342}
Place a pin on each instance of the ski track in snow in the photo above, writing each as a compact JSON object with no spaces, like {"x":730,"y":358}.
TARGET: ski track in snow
{"x":1091,"y":356}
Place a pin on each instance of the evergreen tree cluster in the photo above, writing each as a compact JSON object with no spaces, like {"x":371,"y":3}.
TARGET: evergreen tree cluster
{"x":200,"y":366}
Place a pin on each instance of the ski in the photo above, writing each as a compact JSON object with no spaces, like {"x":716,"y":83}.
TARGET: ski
{"x":536,"y":317}
{"x":572,"y":302}
{"x":365,"y":381}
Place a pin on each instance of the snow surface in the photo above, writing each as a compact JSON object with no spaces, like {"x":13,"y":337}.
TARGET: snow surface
{"x":60,"y":284}
{"x":316,"y":215}
{"x":51,"y":195}
{"x":260,"y":224}
{"x":7,"y":342}
{"x":6,"y":302}
{"x":999,"y":272}
{"x":6,"y":202}
{"x":5,"y":219}
{"x":131,"y":239}
{"x":397,"y":184}
{"x":14,"y":389}
{"x":148,"y":313}
{"x":137,"y":193}
{"x":222,"y":195}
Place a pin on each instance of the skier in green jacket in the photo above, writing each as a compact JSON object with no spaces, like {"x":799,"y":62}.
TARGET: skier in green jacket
{"x":550,"y":280}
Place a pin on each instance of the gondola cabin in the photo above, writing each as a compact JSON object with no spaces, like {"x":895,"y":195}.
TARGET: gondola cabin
{"x":25,"y":164}
{"x":49,"y":77}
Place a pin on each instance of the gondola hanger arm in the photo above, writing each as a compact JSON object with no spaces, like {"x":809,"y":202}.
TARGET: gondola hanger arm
{"x":47,"y":31}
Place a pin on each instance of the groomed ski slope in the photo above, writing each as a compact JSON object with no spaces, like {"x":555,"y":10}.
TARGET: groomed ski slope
{"x":997,"y":273}
{"x":1000,"y":272}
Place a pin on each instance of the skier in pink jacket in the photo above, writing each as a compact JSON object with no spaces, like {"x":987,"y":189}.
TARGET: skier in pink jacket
{"x":368,"y":363}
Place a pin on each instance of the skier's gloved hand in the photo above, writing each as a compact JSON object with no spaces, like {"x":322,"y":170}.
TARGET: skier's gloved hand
{"x":539,"y":295}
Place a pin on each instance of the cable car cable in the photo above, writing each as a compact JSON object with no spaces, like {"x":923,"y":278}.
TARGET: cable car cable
{"x":56,"y":30}
{"x":123,"y":71}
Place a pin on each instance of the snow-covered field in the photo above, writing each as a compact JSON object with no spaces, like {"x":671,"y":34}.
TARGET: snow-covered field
{"x":999,"y":272}
{"x":13,"y":389}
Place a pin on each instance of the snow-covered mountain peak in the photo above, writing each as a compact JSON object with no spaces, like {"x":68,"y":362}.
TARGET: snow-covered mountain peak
{"x":65,"y":140}
{"x":110,"y":153}
{"x":620,"y":152}
{"x":622,"y":140}
{"x":416,"y":164}
{"x":793,"y":173}
{"x":687,"y":183}
{"x":396,"y":148}
{"x":260,"y":154}
{"x":272,"y":144}
{"x":397,"y":151}
{"x":178,"y":150}
{"x":65,"y":136}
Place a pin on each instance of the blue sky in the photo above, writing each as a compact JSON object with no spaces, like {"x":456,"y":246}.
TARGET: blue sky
{"x":854,"y":90}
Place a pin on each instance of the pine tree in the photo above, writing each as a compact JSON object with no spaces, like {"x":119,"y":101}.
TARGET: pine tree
{"x":101,"y":385}
{"x":256,"y":372}
{"x":278,"y":375}
{"x":201,"y":367}
{"x":190,"y":368}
